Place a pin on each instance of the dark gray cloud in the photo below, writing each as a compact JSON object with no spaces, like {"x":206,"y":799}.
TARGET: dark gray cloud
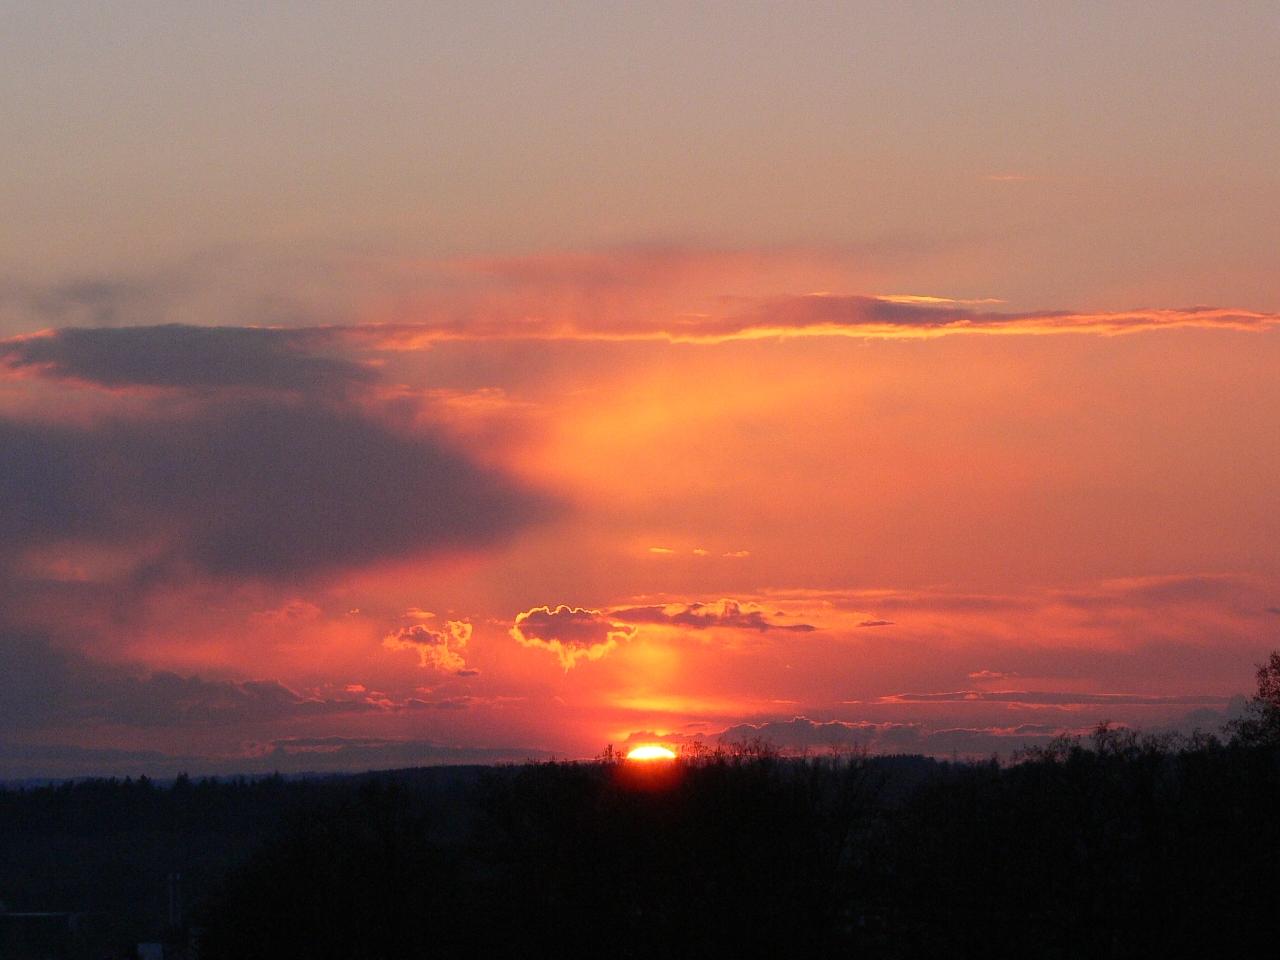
{"x":262,"y":489}
{"x":268,"y":468}
{"x":38,"y":681}
{"x":96,"y":301}
{"x":1189,"y":589}
{"x":180,"y":356}
{"x":816,"y":310}
{"x":165,"y":699}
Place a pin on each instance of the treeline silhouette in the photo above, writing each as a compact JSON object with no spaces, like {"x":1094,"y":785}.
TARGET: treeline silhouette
{"x":1119,"y":847}
{"x":1114,"y":845}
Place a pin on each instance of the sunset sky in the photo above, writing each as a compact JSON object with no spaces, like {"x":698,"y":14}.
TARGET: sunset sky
{"x":446,"y":383}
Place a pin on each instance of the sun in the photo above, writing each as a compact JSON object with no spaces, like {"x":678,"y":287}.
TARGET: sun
{"x":651,"y":751}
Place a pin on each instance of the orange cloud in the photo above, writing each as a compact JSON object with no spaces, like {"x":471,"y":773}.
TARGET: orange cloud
{"x":437,"y":649}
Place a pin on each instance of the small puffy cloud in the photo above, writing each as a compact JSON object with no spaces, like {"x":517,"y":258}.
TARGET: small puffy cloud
{"x":571,"y":633}
{"x":439,"y":649}
{"x":875,"y":623}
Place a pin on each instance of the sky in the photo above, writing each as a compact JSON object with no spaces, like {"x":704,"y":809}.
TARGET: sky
{"x":431,"y":383}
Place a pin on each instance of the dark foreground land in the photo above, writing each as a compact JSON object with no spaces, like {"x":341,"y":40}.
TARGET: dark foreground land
{"x":1115,"y":847}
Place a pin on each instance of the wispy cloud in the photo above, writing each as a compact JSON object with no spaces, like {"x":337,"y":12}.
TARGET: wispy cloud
{"x":731,"y":614}
{"x":811,"y":315}
{"x":1052,"y":698}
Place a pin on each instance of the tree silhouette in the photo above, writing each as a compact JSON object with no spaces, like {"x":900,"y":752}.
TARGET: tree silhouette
{"x":1260,"y":726}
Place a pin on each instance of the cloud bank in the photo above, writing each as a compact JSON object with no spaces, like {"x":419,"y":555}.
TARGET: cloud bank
{"x":42,"y":683}
{"x":249,"y":489}
{"x":273,"y":464}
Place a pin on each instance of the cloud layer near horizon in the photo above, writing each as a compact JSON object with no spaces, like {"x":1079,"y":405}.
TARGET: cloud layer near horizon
{"x":42,"y":683}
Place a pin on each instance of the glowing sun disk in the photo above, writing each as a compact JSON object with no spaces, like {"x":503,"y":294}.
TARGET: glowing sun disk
{"x":651,"y":751}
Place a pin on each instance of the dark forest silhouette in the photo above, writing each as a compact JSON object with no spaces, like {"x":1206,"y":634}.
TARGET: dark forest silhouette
{"x":1116,"y":845}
